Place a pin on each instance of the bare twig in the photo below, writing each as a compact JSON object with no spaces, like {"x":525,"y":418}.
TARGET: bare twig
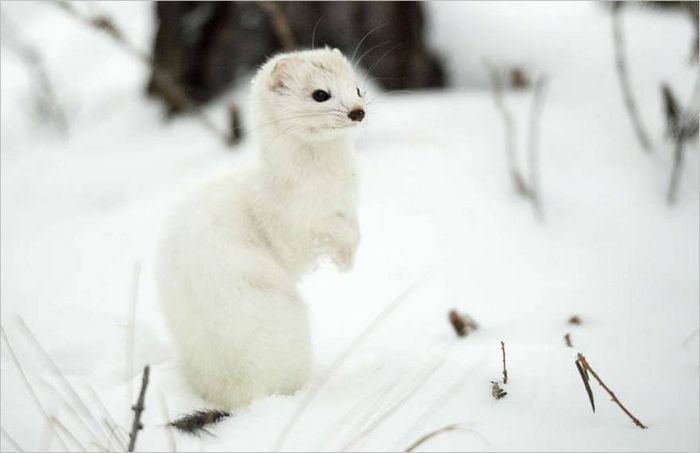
{"x":582,"y":363}
{"x":138,"y":410}
{"x":623,"y":75}
{"x":505,"y":370}
{"x":423,"y":439}
{"x":509,"y":125}
{"x":31,"y":390}
{"x":533,"y":142}
{"x":279,"y":23}
{"x":342,"y":357}
{"x":171,"y":88}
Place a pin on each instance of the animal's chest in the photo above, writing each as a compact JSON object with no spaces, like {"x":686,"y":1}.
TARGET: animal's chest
{"x":324,"y":191}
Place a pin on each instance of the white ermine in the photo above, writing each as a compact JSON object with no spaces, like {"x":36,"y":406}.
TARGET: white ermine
{"x":233,"y":252}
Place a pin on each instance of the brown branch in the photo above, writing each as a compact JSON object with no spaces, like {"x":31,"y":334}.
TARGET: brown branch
{"x":279,"y":23}
{"x":505,"y":371}
{"x":583,"y":363}
{"x":623,"y":75}
{"x":161,"y":77}
{"x":138,"y":410}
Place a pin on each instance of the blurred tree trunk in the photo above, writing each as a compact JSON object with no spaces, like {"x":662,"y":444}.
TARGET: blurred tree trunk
{"x":205,"y":46}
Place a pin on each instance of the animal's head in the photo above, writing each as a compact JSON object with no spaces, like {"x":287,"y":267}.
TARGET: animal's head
{"x":314,"y":93}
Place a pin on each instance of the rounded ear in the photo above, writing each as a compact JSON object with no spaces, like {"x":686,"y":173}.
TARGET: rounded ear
{"x":280,"y":73}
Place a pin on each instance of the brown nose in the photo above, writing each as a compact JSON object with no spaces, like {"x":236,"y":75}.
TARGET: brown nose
{"x":356,"y":115}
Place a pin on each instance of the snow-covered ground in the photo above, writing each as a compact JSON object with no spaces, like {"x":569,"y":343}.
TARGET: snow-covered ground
{"x":441,"y":226}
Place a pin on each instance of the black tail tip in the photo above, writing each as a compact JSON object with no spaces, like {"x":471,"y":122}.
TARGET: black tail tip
{"x":196,"y":423}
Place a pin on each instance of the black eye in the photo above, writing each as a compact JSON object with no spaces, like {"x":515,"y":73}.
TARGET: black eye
{"x":358,"y":92}
{"x":321,"y":96}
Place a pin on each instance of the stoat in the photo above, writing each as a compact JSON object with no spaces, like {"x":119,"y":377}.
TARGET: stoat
{"x":233,"y":252}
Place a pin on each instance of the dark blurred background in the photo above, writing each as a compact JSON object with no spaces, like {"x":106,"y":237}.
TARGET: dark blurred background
{"x":205,"y":46}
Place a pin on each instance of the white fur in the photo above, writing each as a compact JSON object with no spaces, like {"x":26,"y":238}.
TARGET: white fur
{"x":233,"y":252}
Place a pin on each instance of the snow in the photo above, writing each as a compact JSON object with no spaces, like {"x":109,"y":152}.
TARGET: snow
{"x":439,"y":219}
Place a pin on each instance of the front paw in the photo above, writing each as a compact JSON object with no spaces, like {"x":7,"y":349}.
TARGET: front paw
{"x":344,"y":256}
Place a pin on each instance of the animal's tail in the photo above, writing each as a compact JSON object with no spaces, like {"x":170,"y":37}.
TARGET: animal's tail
{"x":197,"y":422}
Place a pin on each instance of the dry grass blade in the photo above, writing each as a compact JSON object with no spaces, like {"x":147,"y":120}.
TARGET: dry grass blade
{"x":58,"y":374}
{"x":9,"y":439}
{"x":314,"y":391}
{"x":374,"y":424}
{"x":68,"y":433}
{"x":166,"y":417}
{"x":138,"y":410}
{"x":31,"y":390}
{"x":131,"y":332}
{"x":423,"y":439}
{"x":587,"y":367}
{"x":440,"y":402}
{"x":584,"y":377}
{"x":109,"y":421}
{"x":75,"y":413}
